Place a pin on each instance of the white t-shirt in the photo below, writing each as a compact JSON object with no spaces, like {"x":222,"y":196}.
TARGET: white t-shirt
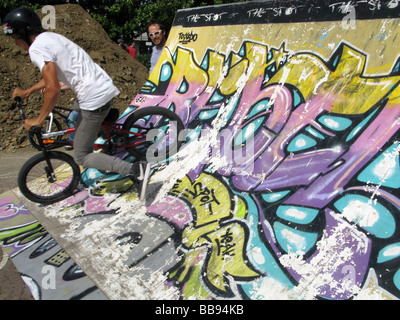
{"x":91,"y":84}
{"x":155,"y":55}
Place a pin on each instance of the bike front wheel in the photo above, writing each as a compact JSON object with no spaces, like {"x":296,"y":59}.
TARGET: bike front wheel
{"x":49,"y":179}
{"x":153,"y":133}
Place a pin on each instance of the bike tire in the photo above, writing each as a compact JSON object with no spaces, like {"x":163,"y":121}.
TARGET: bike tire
{"x":56,"y":126}
{"x":34,"y":181}
{"x":163,"y":143}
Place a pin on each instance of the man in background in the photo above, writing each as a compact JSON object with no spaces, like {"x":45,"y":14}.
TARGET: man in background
{"x":157,"y":34}
{"x":132,"y":50}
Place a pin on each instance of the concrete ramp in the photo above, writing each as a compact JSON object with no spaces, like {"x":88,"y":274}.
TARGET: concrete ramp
{"x":288,"y":184}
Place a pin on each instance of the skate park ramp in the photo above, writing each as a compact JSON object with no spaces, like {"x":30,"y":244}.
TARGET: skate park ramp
{"x":288,"y":184}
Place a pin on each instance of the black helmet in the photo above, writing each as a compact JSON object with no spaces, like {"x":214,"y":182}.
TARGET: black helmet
{"x":22,"y":22}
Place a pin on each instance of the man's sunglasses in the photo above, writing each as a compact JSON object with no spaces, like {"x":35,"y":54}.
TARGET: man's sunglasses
{"x":151,"y":35}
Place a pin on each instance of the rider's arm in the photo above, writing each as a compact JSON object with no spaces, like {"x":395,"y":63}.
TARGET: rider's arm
{"x":40,"y":86}
{"x":23,"y":94}
{"x":51,"y":94}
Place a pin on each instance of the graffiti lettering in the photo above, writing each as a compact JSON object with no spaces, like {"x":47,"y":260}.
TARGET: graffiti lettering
{"x":256,"y":12}
{"x":187,"y":37}
{"x":296,"y":116}
{"x":193,"y":18}
{"x":214,"y":16}
{"x":225,"y":245}
{"x":225,"y":241}
{"x":206,"y":17}
{"x":207,"y":196}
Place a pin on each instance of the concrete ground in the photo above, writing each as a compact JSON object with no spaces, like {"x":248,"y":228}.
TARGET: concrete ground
{"x":11,"y":162}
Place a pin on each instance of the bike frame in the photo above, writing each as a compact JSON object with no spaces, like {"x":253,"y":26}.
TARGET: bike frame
{"x":57,"y":111}
{"x":46,"y":138}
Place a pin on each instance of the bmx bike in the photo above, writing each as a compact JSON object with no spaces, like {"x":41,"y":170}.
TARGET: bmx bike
{"x":52,"y":176}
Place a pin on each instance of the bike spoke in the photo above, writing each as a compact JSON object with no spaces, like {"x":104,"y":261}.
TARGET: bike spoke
{"x":46,"y":184}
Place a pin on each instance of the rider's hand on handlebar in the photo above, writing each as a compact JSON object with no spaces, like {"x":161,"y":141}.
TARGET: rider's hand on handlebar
{"x":29,"y":123}
{"x":23,"y":94}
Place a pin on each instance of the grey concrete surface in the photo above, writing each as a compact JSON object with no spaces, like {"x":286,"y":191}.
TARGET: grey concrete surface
{"x":11,"y":162}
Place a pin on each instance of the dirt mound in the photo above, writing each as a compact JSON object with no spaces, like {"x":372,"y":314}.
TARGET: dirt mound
{"x":16,"y":70}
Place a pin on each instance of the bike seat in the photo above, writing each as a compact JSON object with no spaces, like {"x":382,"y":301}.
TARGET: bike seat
{"x":112,"y":116}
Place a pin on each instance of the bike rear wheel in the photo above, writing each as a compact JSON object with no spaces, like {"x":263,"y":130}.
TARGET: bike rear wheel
{"x":154,"y":133}
{"x":49,"y":179}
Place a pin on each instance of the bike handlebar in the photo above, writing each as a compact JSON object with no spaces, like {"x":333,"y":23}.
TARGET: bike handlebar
{"x":18,"y":103}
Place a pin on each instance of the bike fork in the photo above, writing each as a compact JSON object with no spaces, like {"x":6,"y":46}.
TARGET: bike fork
{"x":51,"y":177}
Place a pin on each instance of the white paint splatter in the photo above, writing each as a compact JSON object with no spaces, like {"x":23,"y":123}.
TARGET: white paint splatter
{"x":323,"y":269}
{"x":363,"y":213}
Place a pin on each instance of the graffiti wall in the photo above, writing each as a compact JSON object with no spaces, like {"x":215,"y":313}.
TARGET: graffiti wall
{"x":287,"y":185}
{"x":307,"y":118}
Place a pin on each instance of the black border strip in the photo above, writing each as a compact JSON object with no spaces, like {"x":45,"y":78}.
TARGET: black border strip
{"x":289,"y":11}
